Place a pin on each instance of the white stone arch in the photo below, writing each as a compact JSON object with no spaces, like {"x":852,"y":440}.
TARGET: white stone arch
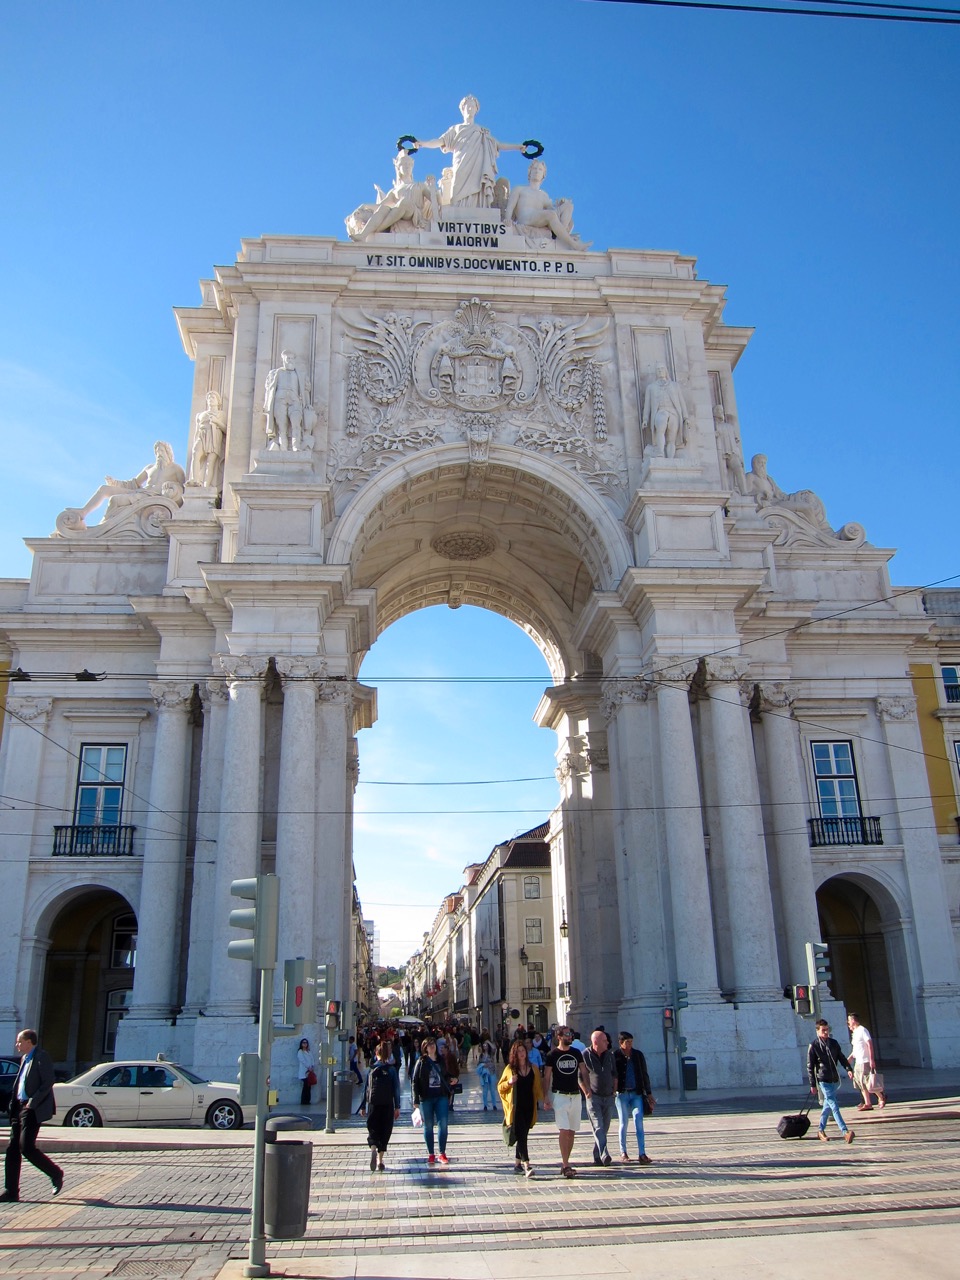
{"x":528,"y":509}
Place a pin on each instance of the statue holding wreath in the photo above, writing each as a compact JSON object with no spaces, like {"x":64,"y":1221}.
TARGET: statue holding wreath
{"x":474,"y":150}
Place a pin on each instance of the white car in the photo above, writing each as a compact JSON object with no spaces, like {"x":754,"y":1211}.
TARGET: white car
{"x":146,"y":1093}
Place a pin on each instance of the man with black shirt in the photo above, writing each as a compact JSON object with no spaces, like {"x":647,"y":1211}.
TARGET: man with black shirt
{"x":31,"y":1103}
{"x":564,"y":1080}
{"x":823,"y":1058}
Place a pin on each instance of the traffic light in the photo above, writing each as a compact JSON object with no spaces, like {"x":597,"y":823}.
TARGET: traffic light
{"x":326,"y":988}
{"x":262,"y":921}
{"x":818,"y":963}
{"x":299,"y":979}
{"x":333,"y":1015}
{"x":249,"y":1078}
{"x":800,"y":997}
{"x":680,"y":995}
{"x":669,"y":1019}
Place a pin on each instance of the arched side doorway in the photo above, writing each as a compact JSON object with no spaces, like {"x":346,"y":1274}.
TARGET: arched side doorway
{"x":88,"y":977}
{"x":861,"y":924}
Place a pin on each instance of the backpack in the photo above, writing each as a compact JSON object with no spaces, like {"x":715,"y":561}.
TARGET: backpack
{"x":381,"y":1086}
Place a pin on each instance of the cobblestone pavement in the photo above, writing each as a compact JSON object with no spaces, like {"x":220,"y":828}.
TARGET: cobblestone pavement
{"x":169,"y":1213}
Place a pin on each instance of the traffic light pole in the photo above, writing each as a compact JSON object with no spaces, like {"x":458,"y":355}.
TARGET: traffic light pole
{"x":257,"y":1264}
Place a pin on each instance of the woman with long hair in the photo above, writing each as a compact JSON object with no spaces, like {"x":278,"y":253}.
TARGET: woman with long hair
{"x":381,"y":1101}
{"x":306,"y":1067}
{"x":430,"y":1091}
{"x":521,"y":1090}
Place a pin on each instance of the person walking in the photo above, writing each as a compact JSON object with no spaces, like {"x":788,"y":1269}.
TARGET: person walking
{"x":864,"y":1063}
{"x":31,"y":1103}
{"x":485,"y":1071}
{"x":602,"y":1073}
{"x":306,"y":1071}
{"x":521,"y":1090}
{"x":564,"y":1080}
{"x":353,"y":1054}
{"x":430,"y":1091}
{"x":381,"y":1102}
{"x":633,"y":1095}
{"x":823,"y":1058}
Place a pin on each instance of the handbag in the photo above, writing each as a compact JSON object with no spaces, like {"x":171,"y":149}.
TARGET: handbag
{"x":509,"y":1134}
{"x":310,"y":1078}
{"x":416,"y":1118}
{"x":456,"y":1087}
{"x":647,"y":1105}
{"x":873,"y":1082}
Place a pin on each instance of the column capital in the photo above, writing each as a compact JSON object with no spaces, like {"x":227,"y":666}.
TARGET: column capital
{"x":674,"y":670}
{"x":291,"y":667}
{"x":777,"y":695}
{"x":215,"y":691}
{"x":30,"y":709}
{"x":623,"y":691}
{"x":725,"y":669}
{"x":238,"y":667}
{"x":170,"y":697}
{"x":337,"y":692}
{"x":898,"y":709}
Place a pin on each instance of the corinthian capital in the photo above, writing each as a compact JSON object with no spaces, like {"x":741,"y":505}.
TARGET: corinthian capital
{"x":623,"y":691}
{"x":722,"y":669}
{"x":241,"y":667}
{"x":292,"y":667}
{"x":674,"y":670}
{"x":777,"y":695}
{"x":338,"y":693}
{"x":170,"y":697}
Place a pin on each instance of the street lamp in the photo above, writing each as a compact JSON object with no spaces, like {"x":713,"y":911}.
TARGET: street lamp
{"x":564,"y":927}
{"x":524,"y":958}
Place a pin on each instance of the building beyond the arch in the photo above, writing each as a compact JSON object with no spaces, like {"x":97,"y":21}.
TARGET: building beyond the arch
{"x":756,"y":736}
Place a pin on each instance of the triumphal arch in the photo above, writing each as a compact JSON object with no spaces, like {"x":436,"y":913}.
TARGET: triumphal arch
{"x":461,"y":401}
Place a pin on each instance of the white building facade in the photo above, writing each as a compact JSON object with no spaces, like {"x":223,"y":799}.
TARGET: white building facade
{"x":459,"y":406}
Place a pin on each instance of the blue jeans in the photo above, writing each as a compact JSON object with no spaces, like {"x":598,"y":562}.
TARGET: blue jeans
{"x":489,"y":1089}
{"x":435,"y":1112}
{"x":628,"y":1103}
{"x":829,"y":1092}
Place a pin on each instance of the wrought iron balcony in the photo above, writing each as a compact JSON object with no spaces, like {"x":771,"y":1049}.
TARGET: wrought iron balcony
{"x":832,"y":831}
{"x":952,"y":691}
{"x":537,"y":994}
{"x":93,"y":842}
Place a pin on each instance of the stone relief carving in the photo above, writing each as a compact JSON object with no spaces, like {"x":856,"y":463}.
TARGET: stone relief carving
{"x":135,"y":508}
{"x":286,"y":402}
{"x":731,"y":450}
{"x":665,"y":416}
{"x":206,"y":460}
{"x":800,"y":517}
{"x":896,"y":709}
{"x":407,"y":206}
{"x":543,"y":380}
{"x":533,"y":212}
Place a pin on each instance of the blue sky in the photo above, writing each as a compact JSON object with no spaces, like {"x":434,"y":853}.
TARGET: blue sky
{"x":810,"y":165}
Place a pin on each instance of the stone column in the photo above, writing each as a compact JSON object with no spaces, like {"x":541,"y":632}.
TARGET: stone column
{"x":24,"y":738}
{"x":740,"y":854}
{"x":238,"y":836}
{"x":333,"y":876}
{"x":216,"y":699}
{"x":936,"y":986}
{"x":796,"y":884}
{"x":644,"y":946}
{"x":160,"y":916}
{"x":296,"y":819}
{"x":689,"y":883}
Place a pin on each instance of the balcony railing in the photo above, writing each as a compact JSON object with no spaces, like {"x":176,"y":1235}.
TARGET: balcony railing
{"x":952,"y":691}
{"x":831,"y":831}
{"x":93,"y":842}
{"x":537,"y":994}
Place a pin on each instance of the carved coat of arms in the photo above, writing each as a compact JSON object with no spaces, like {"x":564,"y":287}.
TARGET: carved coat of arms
{"x":475,"y":363}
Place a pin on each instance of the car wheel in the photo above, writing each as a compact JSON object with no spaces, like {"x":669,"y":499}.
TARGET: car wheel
{"x":225,"y":1115}
{"x":83,"y":1117}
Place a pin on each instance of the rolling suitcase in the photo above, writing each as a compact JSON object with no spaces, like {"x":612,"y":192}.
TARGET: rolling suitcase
{"x":795,"y":1126}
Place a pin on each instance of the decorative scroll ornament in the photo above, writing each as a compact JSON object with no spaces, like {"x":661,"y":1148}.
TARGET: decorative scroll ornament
{"x":381,"y":367}
{"x":571,"y":376}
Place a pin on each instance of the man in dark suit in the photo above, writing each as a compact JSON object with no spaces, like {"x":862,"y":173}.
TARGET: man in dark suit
{"x":30,"y":1104}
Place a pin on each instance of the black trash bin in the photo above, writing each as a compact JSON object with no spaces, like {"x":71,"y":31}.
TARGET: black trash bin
{"x":286,"y":1180}
{"x":343,"y":1087}
{"x":689,"y":1066}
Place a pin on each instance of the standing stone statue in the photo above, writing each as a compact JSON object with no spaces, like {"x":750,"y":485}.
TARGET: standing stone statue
{"x":731,"y":450}
{"x":208,"y":443}
{"x":475,"y":152}
{"x":286,"y":396}
{"x":530,"y":206}
{"x":665,"y":413}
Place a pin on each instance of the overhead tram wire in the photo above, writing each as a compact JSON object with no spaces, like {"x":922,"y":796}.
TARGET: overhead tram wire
{"x":863,"y":13}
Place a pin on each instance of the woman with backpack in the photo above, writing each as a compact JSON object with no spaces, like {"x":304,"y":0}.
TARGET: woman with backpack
{"x":381,"y":1103}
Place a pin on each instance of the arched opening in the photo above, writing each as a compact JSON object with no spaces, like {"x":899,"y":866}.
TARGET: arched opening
{"x":860,"y":923}
{"x":88,"y":978}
